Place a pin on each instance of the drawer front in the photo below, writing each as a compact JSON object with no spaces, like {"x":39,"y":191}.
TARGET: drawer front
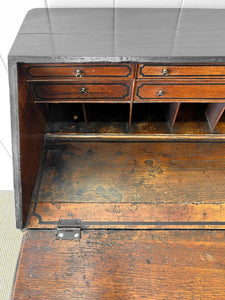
{"x":79,"y":72}
{"x":147,"y":92}
{"x":74,"y":92}
{"x":146,"y":71}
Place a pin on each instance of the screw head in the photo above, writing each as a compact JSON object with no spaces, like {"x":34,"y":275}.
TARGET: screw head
{"x":61,"y":234}
{"x":76,"y":235}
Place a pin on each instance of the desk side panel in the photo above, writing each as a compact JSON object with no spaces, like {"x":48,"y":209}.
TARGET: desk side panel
{"x":28,"y":122}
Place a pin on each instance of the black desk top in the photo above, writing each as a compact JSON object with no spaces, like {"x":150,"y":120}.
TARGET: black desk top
{"x":117,"y":35}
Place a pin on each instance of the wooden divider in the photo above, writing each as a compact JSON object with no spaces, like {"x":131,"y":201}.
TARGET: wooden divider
{"x":213,"y":113}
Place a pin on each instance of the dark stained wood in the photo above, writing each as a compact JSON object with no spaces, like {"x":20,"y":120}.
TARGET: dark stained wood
{"x":85,"y":114}
{"x":172,"y":113}
{"x":197,"y":91}
{"x":88,"y":71}
{"x":123,"y":172}
{"x":32,"y":118}
{"x":72,"y":92}
{"x":147,"y":70}
{"x":213,"y":113}
{"x":129,"y":215}
{"x":122,"y":265}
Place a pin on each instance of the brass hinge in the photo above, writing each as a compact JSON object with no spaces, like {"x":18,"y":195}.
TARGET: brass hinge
{"x":69,"y":229}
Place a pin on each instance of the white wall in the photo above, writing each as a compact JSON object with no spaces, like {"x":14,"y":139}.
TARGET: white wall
{"x":11,"y":16}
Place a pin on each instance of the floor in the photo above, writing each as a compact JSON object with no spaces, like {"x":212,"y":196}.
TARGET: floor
{"x":10,"y":241}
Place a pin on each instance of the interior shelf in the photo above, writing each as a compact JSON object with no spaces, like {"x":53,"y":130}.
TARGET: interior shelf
{"x":152,"y":119}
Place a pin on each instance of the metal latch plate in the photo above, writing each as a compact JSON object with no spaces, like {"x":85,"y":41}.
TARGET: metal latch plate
{"x":68,"y":230}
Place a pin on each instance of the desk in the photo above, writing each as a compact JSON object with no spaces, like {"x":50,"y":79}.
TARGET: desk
{"x":118,"y":139}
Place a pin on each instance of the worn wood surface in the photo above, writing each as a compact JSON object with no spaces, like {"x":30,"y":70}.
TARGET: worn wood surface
{"x":84,"y":36}
{"x":129,"y":215}
{"x":136,"y":172}
{"x":122,"y":265}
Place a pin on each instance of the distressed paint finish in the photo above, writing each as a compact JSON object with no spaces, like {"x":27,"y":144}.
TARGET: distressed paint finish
{"x":122,"y":265}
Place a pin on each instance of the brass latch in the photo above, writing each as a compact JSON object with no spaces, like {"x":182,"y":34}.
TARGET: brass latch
{"x":69,"y":229}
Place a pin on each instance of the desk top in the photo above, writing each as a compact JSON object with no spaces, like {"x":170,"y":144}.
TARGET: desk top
{"x":119,"y":35}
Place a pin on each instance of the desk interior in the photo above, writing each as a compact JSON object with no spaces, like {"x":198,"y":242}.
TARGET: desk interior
{"x":152,"y":184}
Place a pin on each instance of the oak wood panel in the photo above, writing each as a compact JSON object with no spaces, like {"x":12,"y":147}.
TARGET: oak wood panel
{"x":129,"y":215}
{"x":195,"y":92}
{"x":32,"y":122}
{"x":72,"y":92}
{"x":146,"y":70}
{"x":89,"y":71}
{"x":120,"y":264}
{"x":119,"y":172}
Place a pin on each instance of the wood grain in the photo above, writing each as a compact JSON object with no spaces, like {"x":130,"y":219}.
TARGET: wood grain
{"x":147,"y":70}
{"x":88,"y":71}
{"x":49,"y":92}
{"x":32,"y":122}
{"x":126,"y":172}
{"x":148,"y":91}
{"x":129,"y":215}
{"x":118,"y":264}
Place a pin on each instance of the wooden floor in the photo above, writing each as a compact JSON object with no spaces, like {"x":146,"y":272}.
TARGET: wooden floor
{"x":122,"y":264}
{"x":131,"y":185}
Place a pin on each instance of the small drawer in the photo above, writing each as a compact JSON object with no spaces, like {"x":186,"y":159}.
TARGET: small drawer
{"x":165,"y":71}
{"x":147,"y":92}
{"x":75,"y":92}
{"x":78,"y":71}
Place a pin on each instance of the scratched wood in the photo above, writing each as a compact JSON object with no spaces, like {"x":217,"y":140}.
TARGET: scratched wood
{"x":123,"y":172}
{"x":122,"y":265}
{"x":129,"y":215}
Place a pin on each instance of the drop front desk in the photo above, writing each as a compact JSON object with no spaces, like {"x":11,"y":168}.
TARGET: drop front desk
{"x":119,"y":153}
